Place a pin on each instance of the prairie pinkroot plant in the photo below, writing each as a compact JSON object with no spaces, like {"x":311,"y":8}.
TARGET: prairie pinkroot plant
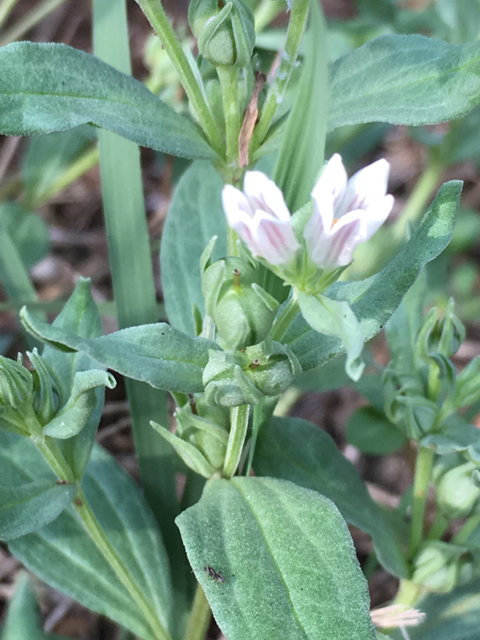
{"x":256,"y":309}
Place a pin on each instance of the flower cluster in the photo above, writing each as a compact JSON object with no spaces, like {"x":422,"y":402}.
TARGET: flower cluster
{"x":345,"y":214}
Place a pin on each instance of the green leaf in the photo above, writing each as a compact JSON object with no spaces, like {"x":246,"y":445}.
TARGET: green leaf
{"x":81,"y":316}
{"x":450,"y":616}
{"x":276,"y":561}
{"x":53,"y":87}
{"x":405,"y":79}
{"x":154,"y":353}
{"x":302,"y":152}
{"x":370,"y":431}
{"x":23,"y":620}
{"x":299,"y":451}
{"x":335,"y":318}
{"x":31,"y":506}
{"x":194,"y":217}
{"x":375,"y":299}
{"x":49,"y":156}
{"x":76,"y":413}
{"x":63,"y":554}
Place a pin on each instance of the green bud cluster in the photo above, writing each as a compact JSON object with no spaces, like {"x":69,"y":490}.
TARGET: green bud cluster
{"x":418,"y":402}
{"x":32,"y":403}
{"x":266,"y":369}
{"x":441,"y":566}
{"x":226,"y":34}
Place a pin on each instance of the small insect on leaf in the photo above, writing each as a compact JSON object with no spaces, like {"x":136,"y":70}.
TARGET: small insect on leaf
{"x":214,"y":574}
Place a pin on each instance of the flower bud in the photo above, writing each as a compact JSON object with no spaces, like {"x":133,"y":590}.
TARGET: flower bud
{"x":457,"y":491}
{"x":199,"y":12}
{"x":440,"y":336}
{"x":47,"y":390}
{"x":440,"y":566}
{"x":406,"y":406}
{"x":467,"y":387}
{"x":226,"y":36}
{"x":242,"y":311}
{"x":16,"y":394}
{"x":245,"y":378}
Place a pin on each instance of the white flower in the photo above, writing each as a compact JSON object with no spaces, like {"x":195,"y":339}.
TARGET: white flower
{"x":261,"y":218}
{"x":345,"y":214}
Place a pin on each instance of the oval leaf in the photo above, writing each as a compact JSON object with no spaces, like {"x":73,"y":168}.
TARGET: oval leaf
{"x":405,"y":79}
{"x":31,"y":506}
{"x":53,"y":87}
{"x":276,"y":561}
{"x":152,"y":353}
{"x":299,"y":451}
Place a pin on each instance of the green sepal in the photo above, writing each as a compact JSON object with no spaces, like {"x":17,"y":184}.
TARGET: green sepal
{"x":441,"y":566}
{"x":187,"y":452}
{"x":74,"y":416}
{"x":335,"y":318}
{"x":457,"y":490}
{"x":227,"y":39}
{"x":47,"y":396}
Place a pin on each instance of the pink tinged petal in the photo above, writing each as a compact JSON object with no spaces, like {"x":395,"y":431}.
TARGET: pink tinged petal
{"x":365,"y":187}
{"x":330,"y":189}
{"x":235,"y":204}
{"x":344,"y":240}
{"x":316,"y":233}
{"x":376,"y":214}
{"x":264,"y":194}
{"x":275,"y":240}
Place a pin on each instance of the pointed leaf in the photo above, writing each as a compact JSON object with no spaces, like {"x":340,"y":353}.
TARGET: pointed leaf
{"x":405,"y":79}
{"x":31,"y":506}
{"x":53,"y":87}
{"x":375,"y":299}
{"x":23,"y":618}
{"x":153,"y":353}
{"x":299,"y":451}
{"x":276,"y":561}
{"x":194,"y":217}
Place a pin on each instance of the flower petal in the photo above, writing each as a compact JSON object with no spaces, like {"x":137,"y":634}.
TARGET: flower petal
{"x":234,"y":203}
{"x":264,"y":194}
{"x":274,"y":239}
{"x":330,"y":189}
{"x":365,"y":187}
{"x":344,"y":237}
{"x":376,"y":215}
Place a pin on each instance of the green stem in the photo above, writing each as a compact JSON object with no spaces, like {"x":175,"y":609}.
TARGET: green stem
{"x":236,"y":440}
{"x":468,"y":528}
{"x":408,"y":593}
{"x":423,"y":469}
{"x":158,"y":19}
{"x":265,"y":13}
{"x":228,"y":77}
{"x":439,"y":526}
{"x":52,"y":454}
{"x":103,"y":544}
{"x":200,"y":615}
{"x":296,"y":27}
{"x":84,"y":163}
{"x":30,"y":20}
{"x":6,"y":8}
{"x":419,"y":197}
{"x":285,"y":318}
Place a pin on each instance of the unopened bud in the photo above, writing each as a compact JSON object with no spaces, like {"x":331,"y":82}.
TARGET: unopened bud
{"x":457,"y":492}
{"x":226,"y":36}
{"x":440,"y":566}
{"x":242,"y":311}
